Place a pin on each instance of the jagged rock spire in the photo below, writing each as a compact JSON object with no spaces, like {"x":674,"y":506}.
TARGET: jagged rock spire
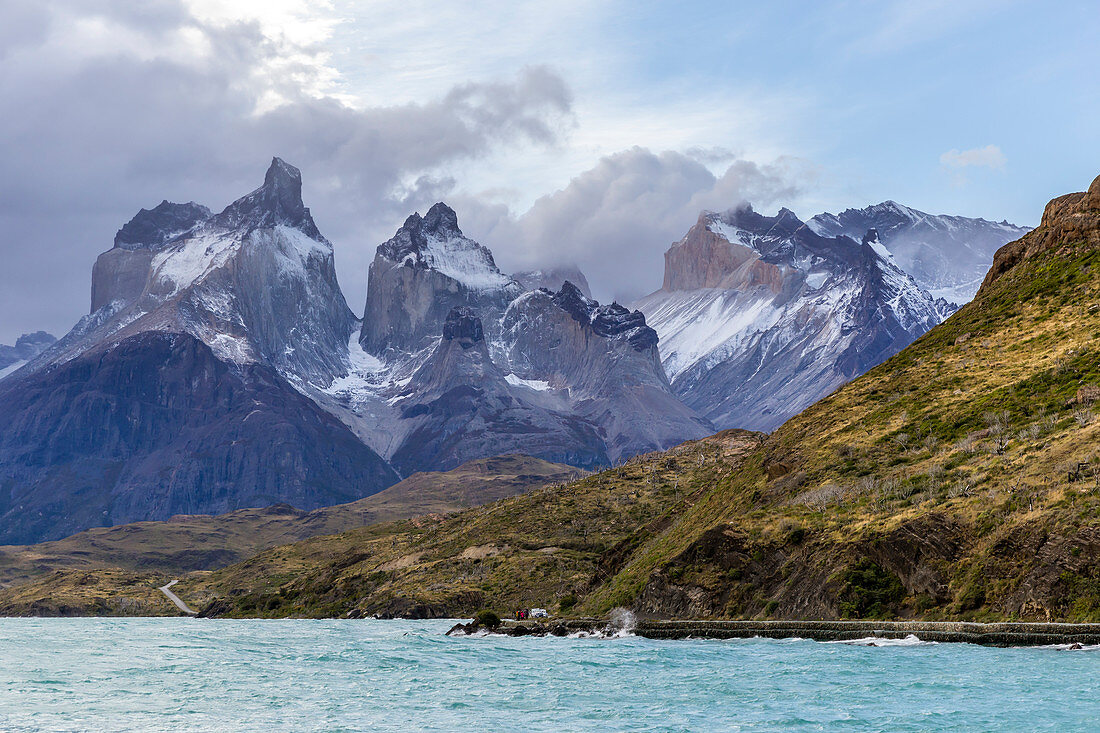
{"x":277,"y":202}
{"x":440,"y":223}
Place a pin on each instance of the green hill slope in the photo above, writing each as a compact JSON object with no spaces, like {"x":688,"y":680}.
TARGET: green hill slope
{"x":141,"y":555}
{"x":949,"y":482}
{"x":957,"y":480}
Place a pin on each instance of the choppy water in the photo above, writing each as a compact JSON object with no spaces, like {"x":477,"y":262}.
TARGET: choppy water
{"x":190,"y":674}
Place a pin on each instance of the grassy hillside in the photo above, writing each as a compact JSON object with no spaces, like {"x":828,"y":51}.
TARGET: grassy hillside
{"x":948,"y":482}
{"x":957,"y":480}
{"x":66,"y":571}
{"x":544,"y":547}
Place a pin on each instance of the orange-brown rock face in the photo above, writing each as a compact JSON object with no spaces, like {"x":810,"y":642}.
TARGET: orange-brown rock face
{"x":760,"y":315}
{"x":704,"y":259}
{"x":1072,"y":220}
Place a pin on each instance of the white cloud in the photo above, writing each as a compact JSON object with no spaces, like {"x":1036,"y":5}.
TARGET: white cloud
{"x":988,"y":157}
{"x":616,"y":220}
{"x":187,"y":108}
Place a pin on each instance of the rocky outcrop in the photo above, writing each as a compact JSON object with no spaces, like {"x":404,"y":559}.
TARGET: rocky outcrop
{"x":604,"y":360}
{"x":1068,"y":221}
{"x":157,"y":425}
{"x":26,"y":347}
{"x":761,"y":316}
{"x":947,"y":255}
{"x":459,"y":405}
{"x":427,"y":268}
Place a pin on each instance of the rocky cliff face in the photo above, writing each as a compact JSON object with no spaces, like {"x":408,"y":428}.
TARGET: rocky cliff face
{"x":461,"y":405}
{"x":418,"y":276}
{"x":760,"y":316}
{"x":947,"y":255}
{"x":157,"y":425}
{"x":604,"y":360}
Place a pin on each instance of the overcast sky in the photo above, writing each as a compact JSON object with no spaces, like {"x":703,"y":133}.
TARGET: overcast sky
{"x":560,"y":131}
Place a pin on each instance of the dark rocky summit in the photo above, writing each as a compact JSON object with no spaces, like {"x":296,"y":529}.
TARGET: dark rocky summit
{"x":609,"y":321}
{"x":166,"y":221}
{"x":26,"y":347}
{"x":277,"y":202}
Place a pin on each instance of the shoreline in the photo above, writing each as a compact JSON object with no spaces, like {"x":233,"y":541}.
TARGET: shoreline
{"x":998,"y":634}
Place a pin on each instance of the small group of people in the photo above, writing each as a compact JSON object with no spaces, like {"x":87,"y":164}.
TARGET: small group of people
{"x":523,"y":614}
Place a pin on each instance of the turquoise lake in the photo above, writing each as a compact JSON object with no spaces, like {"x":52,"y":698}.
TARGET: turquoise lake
{"x":194,"y":675}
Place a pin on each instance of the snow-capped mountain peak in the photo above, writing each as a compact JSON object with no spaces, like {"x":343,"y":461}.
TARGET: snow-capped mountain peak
{"x":427,"y":268}
{"x":256,"y":283}
{"x":435,"y":242}
{"x":761,"y":315}
{"x":947,"y":255}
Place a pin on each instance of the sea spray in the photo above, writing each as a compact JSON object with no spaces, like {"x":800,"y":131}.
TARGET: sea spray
{"x":621,"y":622}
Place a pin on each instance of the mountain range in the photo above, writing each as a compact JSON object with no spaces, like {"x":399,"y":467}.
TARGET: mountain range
{"x":220,"y":366}
{"x":956,"y":480}
{"x":761,"y":316}
{"x":947,"y":255}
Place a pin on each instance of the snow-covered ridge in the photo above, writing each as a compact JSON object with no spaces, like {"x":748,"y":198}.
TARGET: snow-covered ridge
{"x":946,"y":255}
{"x":435,"y":242}
{"x":462,"y":260}
{"x":749,"y":338}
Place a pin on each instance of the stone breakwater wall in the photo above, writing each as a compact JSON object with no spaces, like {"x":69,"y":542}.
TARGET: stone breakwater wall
{"x":985,"y":634}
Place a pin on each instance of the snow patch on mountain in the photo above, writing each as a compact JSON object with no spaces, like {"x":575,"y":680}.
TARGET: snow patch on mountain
{"x":536,"y":384}
{"x":462,"y":260}
{"x":11,"y":368}
{"x":706,"y":322}
{"x":187,"y":262}
{"x":367,"y":374}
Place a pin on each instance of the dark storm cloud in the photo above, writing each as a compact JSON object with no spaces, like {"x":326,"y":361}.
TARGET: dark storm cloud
{"x":157,"y":105}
